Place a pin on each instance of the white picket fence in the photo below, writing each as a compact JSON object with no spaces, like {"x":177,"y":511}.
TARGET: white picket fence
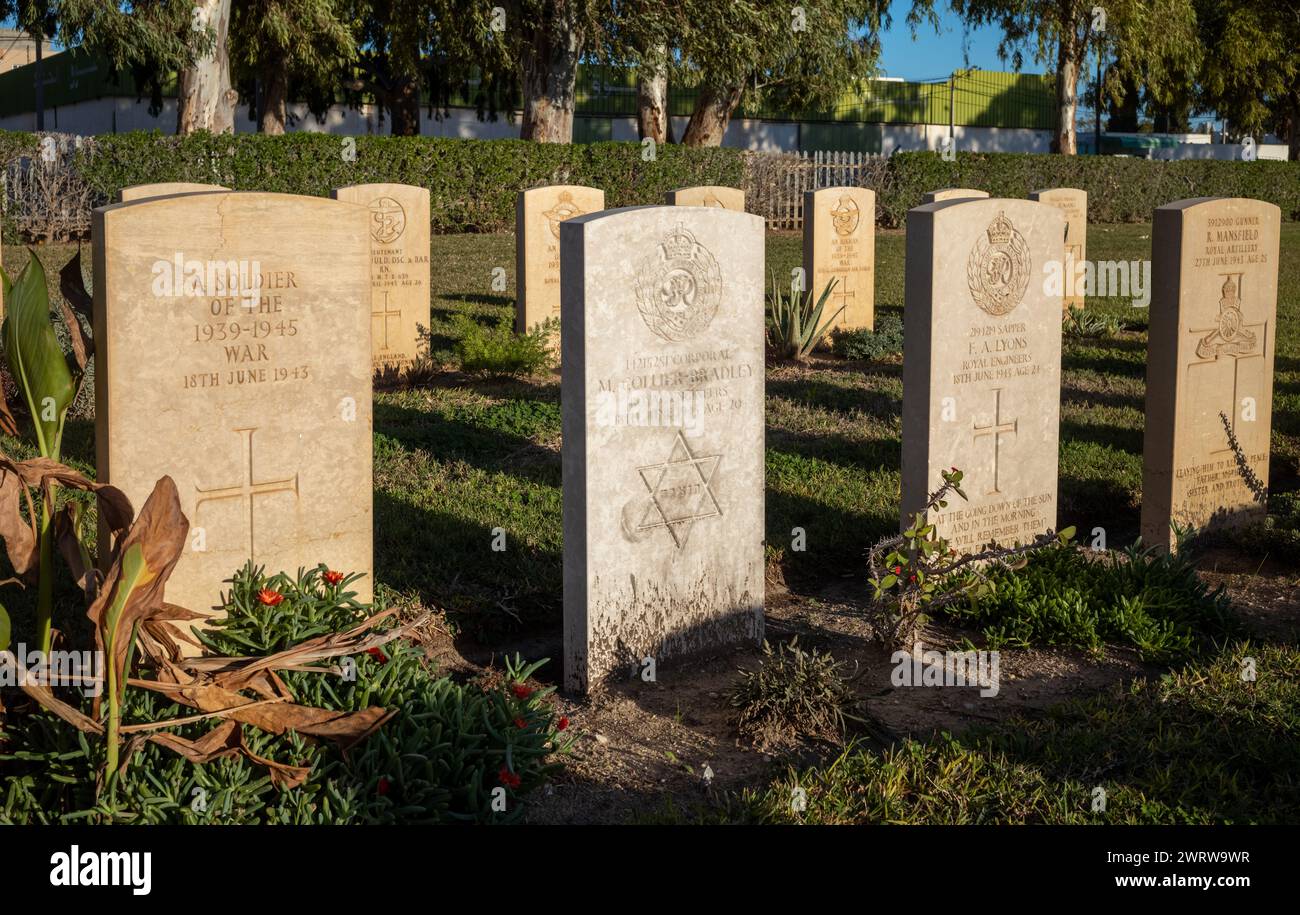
{"x":776,"y":182}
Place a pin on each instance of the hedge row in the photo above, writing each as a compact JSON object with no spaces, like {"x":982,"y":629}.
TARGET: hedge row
{"x":473,"y":182}
{"x":1119,"y":189}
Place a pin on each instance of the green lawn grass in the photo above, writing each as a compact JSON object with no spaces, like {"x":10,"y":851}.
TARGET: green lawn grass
{"x":1201,"y":745}
{"x":459,"y":458}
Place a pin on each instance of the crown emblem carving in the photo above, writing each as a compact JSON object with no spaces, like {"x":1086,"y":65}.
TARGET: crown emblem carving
{"x":1000,"y":230}
{"x":679,"y":243}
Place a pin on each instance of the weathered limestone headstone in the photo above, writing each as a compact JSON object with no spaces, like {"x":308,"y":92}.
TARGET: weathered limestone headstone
{"x":663,"y":437}
{"x":538,"y":214}
{"x":839,"y":241}
{"x":951,"y":193}
{"x":1209,"y":356}
{"x":982,"y":367}
{"x":166,"y":189}
{"x":1073,"y":204}
{"x":399,"y":269}
{"x":707,"y":195}
{"x":232,"y":336}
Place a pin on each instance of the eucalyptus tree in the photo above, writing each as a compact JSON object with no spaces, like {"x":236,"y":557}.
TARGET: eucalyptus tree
{"x":276,"y":44}
{"x":1153,"y":39}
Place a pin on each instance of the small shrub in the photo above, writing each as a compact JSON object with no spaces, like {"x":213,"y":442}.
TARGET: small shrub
{"x":1200,"y":745}
{"x":1152,"y":601}
{"x":865,"y":345}
{"x":794,"y":321}
{"x":438,"y":758}
{"x":1081,"y":324}
{"x":498,"y":350}
{"x":794,"y":693}
{"x":917,"y":571}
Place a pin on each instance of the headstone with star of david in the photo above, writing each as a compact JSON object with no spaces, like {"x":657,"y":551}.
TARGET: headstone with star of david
{"x":663,"y":349}
{"x":982,"y":367}
{"x":707,"y":195}
{"x":232,"y":335}
{"x":538,"y":214}
{"x":1209,"y":365}
{"x":1073,"y":204}
{"x":399,"y":269}
{"x":839,"y":242}
{"x":165,"y":189}
{"x":952,"y":193}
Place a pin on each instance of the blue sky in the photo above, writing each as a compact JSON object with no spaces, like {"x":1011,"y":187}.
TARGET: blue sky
{"x":933,"y":56}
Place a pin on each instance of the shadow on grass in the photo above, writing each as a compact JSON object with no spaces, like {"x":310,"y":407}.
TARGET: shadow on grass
{"x":448,"y":561}
{"x":814,"y":392}
{"x":1129,"y":440}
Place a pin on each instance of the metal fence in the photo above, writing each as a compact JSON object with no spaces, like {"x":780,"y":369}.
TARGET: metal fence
{"x":776,"y":182}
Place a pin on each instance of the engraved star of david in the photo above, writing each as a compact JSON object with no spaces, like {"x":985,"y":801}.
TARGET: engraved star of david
{"x":680,"y":492}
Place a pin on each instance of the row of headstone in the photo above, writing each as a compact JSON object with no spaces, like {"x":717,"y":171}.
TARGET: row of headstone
{"x":982,"y":362}
{"x":258,"y":309}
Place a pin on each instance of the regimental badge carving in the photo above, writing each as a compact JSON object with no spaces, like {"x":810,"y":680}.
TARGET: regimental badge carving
{"x":678,"y":287}
{"x":387,"y":220}
{"x":1231,"y":337}
{"x":680,"y":492}
{"x":564,"y":209}
{"x":997,"y":270}
{"x":845,"y":216}
{"x":711,"y":200}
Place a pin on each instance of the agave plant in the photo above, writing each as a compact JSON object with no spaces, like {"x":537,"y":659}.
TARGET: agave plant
{"x":48,"y":381}
{"x":794,"y":323}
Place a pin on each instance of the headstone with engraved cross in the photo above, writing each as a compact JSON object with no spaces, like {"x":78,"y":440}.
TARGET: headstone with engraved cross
{"x":663,"y":437}
{"x":982,"y":367}
{"x":232,"y":336}
{"x":399,"y":269}
{"x":839,"y":242}
{"x":1209,"y":365}
{"x":538,"y":214}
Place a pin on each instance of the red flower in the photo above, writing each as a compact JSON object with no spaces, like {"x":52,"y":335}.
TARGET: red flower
{"x":333,"y":577}
{"x":522,"y":691}
{"x":520,"y":723}
{"x":377,"y":655}
{"x":270,"y":598}
{"x":383,"y":787}
{"x":508,"y":778}
{"x":898,"y":570}
{"x":562,"y":723}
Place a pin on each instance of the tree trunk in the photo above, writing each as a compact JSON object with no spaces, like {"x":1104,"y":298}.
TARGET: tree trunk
{"x":206,"y":100}
{"x":712,"y":114}
{"x":549,"y":68}
{"x":1293,"y":127}
{"x":1069,"y":54}
{"x":652,"y":118}
{"x":404,"y":107}
{"x":275,"y":96}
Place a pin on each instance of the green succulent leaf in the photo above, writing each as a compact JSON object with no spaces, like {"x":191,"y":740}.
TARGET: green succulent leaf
{"x":36,"y":361}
